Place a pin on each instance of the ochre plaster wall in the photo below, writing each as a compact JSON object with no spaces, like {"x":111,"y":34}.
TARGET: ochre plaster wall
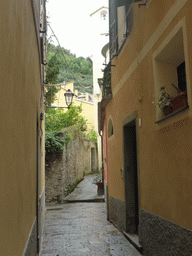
{"x":164,"y":149}
{"x":87,"y":107}
{"x":20,"y":100}
{"x":87,"y":112}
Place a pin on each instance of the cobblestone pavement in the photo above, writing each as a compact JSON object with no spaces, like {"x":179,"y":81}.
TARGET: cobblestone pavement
{"x":82,"y":229}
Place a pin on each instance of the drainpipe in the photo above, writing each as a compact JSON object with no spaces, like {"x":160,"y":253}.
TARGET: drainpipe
{"x":102,"y":159}
{"x":37,"y":183}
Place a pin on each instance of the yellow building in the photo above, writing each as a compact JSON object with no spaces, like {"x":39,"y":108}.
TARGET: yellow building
{"x":21,"y":126}
{"x":148,"y":152}
{"x":100,"y":32}
{"x":86,"y":100}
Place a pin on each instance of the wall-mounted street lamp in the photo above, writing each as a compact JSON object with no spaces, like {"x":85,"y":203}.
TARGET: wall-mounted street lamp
{"x":68,"y":98}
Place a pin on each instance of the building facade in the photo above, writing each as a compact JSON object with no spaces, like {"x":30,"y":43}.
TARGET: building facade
{"x":22,"y":55}
{"x":148,"y":150}
{"x":85,"y":100}
{"x":100,"y":21}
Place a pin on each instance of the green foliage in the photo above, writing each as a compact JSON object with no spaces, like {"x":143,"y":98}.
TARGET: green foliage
{"x":53,"y":143}
{"x":164,"y":99}
{"x":58,"y":70}
{"x":55,"y":121}
{"x":92,"y":135}
{"x":53,"y":69}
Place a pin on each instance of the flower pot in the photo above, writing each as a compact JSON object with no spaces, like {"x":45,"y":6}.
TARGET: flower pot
{"x":179,"y":101}
{"x":167,"y":110}
{"x":100,"y":185}
{"x":100,"y":188}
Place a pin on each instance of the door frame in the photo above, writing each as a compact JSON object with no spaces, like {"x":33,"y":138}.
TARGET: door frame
{"x":129,"y":120}
{"x":38,"y":179}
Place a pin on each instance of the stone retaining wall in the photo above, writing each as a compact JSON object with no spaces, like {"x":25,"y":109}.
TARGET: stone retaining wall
{"x":79,"y":157}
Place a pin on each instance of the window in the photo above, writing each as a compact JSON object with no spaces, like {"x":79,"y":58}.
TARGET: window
{"x":170,"y":73}
{"x":110,"y":128}
{"x":181,"y":76}
{"x":120,"y":23}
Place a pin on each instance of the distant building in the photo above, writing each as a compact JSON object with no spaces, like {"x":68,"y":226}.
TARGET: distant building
{"x":100,"y":23}
{"x":86,"y":100}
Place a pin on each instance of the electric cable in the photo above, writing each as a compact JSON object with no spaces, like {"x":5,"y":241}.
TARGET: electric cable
{"x":66,"y":59}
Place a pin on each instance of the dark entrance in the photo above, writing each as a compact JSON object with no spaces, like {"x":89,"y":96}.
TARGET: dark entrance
{"x":38,"y":181}
{"x":93,"y":162}
{"x":131,"y":177}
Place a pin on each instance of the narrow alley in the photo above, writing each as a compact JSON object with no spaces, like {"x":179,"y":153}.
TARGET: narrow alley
{"x":81,"y":227}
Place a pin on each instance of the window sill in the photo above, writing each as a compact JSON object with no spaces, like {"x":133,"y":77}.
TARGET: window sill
{"x":172,"y":114}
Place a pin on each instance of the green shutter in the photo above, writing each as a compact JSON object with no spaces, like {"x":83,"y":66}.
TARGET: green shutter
{"x":113,"y":27}
{"x":129,"y":17}
{"x":120,"y":3}
{"x":125,"y":2}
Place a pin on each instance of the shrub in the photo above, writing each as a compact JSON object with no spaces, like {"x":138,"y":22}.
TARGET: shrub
{"x":55,"y":121}
{"x":92,"y":135}
{"x":53,"y":143}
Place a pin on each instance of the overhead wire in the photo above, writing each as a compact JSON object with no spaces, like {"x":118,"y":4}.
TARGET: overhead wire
{"x":66,"y":59}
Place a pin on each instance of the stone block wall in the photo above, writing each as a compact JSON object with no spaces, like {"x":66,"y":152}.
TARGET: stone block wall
{"x":53,"y":177}
{"x":79,"y":157}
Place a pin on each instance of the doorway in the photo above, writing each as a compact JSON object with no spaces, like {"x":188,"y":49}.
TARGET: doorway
{"x":93,"y":160}
{"x":38,"y":182}
{"x":131,"y":177}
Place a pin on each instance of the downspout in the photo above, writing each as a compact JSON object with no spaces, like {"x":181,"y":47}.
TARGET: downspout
{"x":102,"y":155}
{"x":37,"y":183}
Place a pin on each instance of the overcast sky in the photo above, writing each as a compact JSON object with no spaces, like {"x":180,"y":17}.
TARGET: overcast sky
{"x":71,"y":22}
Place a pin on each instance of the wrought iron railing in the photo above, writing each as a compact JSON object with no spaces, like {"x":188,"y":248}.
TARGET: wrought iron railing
{"x":106,"y":87}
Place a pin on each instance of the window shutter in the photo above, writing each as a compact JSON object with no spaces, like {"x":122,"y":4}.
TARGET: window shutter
{"x":181,"y":75}
{"x":121,"y":2}
{"x":113,"y":27}
{"x":129,"y":17}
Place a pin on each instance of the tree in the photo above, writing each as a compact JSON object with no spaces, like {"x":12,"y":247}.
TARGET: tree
{"x":58,"y":70}
{"x":52,"y":75}
{"x":56,"y":120}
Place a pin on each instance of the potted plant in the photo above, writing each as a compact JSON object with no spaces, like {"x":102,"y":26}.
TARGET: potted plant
{"x":99,"y":183}
{"x":180,"y":100}
{"x":164,"y":102}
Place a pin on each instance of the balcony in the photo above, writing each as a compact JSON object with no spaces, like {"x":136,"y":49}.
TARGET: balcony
{"x":105,"y":84}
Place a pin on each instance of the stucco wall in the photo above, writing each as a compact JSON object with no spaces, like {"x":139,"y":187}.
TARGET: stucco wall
{"x":20,"y":109}
{"x":68,"y":167}
{"x":164,"y":149}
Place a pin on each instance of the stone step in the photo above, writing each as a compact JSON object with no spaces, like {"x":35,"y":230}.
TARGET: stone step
{"x":91,"y":200}
{"x":134,"y":240}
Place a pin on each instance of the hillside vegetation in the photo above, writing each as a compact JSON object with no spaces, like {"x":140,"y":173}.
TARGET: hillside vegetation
{"x":58,"y":70}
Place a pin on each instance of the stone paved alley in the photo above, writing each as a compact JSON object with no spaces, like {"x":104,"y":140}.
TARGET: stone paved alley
{"x":82,"y":229}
